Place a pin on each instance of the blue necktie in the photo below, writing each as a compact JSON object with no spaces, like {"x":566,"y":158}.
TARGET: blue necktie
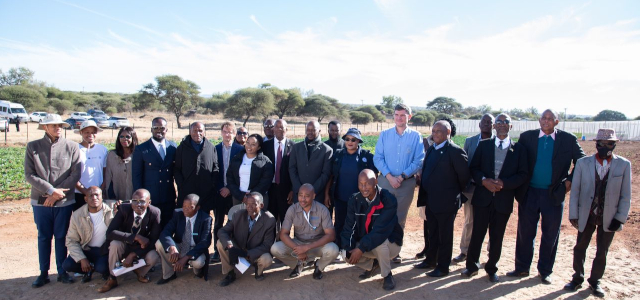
{"x":161,"y":151}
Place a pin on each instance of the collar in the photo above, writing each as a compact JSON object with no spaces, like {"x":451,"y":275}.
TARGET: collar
{"x":193,"y":219}
{"x":406,"y":130}
{"x":552,"y":135}
{"x":141,"y":216}
{"x":276,"y":141}
{"x":600,"y":160}
{"x":299,"y":208}
{"x":156,"y":143}
{"x":505,"y":143}
{"x":257,"y":217}
{"x":438,"y":146}
{"x":48,"y":138}
{"x":374,"y":197}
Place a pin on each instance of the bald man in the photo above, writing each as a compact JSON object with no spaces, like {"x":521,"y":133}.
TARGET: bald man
{"x":310,"y":162}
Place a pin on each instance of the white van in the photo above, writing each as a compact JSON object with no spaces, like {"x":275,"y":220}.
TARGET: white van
{"x":12,"y":110}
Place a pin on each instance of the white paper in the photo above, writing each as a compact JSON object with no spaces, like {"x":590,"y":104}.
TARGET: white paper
{"x":123,"y":270}
{"x":243,"y":264}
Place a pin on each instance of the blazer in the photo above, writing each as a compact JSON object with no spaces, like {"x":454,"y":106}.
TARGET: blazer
{"x":513,"y":174}
{"x":256,"y":243}
{"x":235,"y":148}
{"x":120,"y":228}
{"x":314,"y":170}
{"x":173,"y":232}
{"x":365,"y":161}
{"x":259,"y":179}
{"x":565,"y":150}
{"x":196,"y":173}
{"x":450,"y":177}
{"x":617,"y":195}
{"x":267,"y":149}
{"x":150,"y":172}
{"x":470,"y":145}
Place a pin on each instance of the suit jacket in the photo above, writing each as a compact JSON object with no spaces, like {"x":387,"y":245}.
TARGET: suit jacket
{"x":445,"y":181}
{"x":365,"y":161}
{"x":120,"y":228}
{"x":235,"y":148}
{"x":565,"y":150}
{"x":150,"y":172}
{"x":513,"y":174}
{"x":617,"y":195}
{"x":470,"y":145}
{"x":267,"y":149}
{"x":259,"y":179}
{"x":173,"y":232}
{"x":256,"y":243}
{"x":314,"y":170}
{"x":196,"y":173}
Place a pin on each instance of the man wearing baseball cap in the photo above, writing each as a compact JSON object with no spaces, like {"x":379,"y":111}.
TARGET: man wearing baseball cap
{"x":600,"y":202}
{"x":93,"y":157}
{"x":52,"y":168}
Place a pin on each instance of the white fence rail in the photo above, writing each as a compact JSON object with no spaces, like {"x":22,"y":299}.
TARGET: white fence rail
{"x":625,"y":130}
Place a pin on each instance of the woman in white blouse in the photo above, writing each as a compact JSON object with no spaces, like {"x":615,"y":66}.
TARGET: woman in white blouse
{"x":250,"y":171}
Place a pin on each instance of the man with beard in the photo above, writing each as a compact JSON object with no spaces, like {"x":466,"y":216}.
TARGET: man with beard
{"x":310,"y":162}
{"x":334,"y":141}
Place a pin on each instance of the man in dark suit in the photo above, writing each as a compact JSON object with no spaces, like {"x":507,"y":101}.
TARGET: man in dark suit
{"x":550,"y":152}
{"x":225,"y":150}
{"x":278,"y":150}
{"x":152,"y":169}
{"x":310,"y":162}
{"x":249,"y":235}
{"x":445,"y":174}
{"x":498,"y":167}
{"x":186,"y":239}
{"x":132,"y":233}
{"x":196,"y":168}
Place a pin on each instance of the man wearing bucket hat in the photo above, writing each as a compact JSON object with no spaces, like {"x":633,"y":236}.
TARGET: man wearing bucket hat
{"x":93,"y":157}
{"x":600,"y":201}
{"x":52,"y":168}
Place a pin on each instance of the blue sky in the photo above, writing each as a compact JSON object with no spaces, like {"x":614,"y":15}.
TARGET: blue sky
{"x":579,"y":55}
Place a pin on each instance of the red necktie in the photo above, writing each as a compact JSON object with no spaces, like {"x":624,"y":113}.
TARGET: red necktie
{"x":278,"y":163}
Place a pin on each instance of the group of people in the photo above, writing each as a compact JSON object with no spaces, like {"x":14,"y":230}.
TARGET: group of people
{"x":341,"y":201}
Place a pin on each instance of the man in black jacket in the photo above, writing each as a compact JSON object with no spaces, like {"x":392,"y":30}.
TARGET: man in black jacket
{"x":310,"y":162}
{"x":278,"y":151}
{"x":498,"y":167}
{"x":372,"y":236}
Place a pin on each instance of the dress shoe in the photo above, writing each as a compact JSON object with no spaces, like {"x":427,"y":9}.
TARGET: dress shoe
{"x":153,"y":269}
{"x":110,"y":284}
{"x":41,"y":280}
{"x":317,"y":274}
{"x":215,"y":257}
{"x":421,"y":254}
{"x":572,"y":286}
{"x":597,"y":290}
{"x":437,"y":273}
{"x":200,"y":273}
{"x":424,"y":265}
{"x":231,"y":277}
{"x":397,"y":259}
{"x":163,"y":281}
{"x":372,"y":272}
{"x":494,"y":278}
{"x":144,"y":278}
{"x":65,"y":278}
{"x":296,"y":270}
{"x":546,"y":279}
{"x":258,"y":276}
{"x":468,"y":273}
{"x":86,"y":277}
{"x":460,"y":258}
{"x":516,"y":273}
{"x":389,"y":283}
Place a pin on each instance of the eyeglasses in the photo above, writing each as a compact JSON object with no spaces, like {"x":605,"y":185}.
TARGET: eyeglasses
{"x":352,"y":140}
{"x":242,"y":133}
{"x":138,"y":202}
{"x":606,"y":144}
{"x":503,"y":122}
{"x":267,"y":126}
{"x":128,"y":137}
{"x":161,"y":128}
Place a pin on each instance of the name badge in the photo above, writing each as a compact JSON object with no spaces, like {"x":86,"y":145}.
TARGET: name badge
{"x":195,"y":233}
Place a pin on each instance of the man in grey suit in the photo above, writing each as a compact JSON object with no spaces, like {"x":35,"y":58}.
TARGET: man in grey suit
{"x":470,"y":145}
{"x":310,"y":162}
{"x":600,"y":200}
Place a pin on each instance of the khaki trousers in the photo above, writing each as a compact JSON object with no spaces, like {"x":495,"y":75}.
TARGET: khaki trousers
{"x":264,"y":261}
{"x":117,"y":251}
{"x":384,"y":254}
{"x":167,"y":266}
{"x":404,"y":195}
{"x":326,"y":253}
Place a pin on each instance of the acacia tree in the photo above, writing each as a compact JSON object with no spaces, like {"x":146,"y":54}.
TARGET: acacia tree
{"x":290,"y":104}
{"x":19,"y":76}
{"x":321,"y":106}
{"x":610,"y":115}
{"x":248,"y":102}
{"x":173,"y":92}
{"x":444,"y":105}
{"x":391,"y":101}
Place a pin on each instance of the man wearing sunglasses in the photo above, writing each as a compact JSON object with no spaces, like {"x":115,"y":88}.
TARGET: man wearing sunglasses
{"x":241,"y":136}
{"x":268,"y":129}
{"x":599,"y":202}
{"x":152,"y":169}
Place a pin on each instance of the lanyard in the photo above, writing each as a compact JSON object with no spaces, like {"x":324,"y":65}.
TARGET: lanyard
{"x":306,"y":216}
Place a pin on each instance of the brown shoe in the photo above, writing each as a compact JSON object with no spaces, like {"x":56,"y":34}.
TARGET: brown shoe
{"x":144,"y":278}
{"x":111,"y":283}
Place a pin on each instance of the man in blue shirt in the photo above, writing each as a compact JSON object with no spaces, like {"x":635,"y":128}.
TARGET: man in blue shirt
{"x":398,"y":156}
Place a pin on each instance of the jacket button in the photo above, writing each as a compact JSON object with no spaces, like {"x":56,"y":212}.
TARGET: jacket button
{"x":149,"y":163}
{"x":167,"y":180}
{"x":160,"y":171}
{"x":160,"y":181}
{"x":167,"y":170}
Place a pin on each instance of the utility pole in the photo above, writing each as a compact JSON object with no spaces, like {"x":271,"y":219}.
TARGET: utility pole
{"x":362,"y":102}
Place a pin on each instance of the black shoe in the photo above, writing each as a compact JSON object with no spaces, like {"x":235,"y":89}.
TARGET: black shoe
{"x":296,"y":271}
{"x":317,"y":274}
{"x":597,"y":290}
{"x":437,"y":273}
{"x":546,"y":279}
{"x":86,"y":277}
{"x":200,"y":273}
{"x":424,"y":265}
{"x":372,"y":272}
{"x":215,"y":257}
{"x":163,"y":281}
{"x":40,"y":281}
{"x":460,"y":258}
{"x":389,"y":283}
{"x":105,"y":276}
{"x":258,"y":276}
{"x":468,"y":273}
{"x":65,"y":278}
{"x":421,"y":254}
{"x":517,"y":273}
{"x":153,"y":269}
{"x":494,"y":278}
{"x":397,"y":259}
{"x":572,"y":286}
{"x":231,"y":277}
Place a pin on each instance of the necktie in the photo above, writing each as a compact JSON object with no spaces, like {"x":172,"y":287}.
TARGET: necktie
{"x":500,"y":145}
{"x":161,"y":151}
{"x":278,"y":162}
{"x":136,"y":225}
{"x":185,"y":246}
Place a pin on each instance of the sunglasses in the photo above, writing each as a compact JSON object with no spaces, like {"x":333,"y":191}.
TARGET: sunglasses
{"x":503,"y":122}
{"x":352,"y":140}
{"x":161,"y":128}
{"x":128,"y":137}
{"x":268,"y":126}
{"x":606,"y":144}
{"x":242,"y":133}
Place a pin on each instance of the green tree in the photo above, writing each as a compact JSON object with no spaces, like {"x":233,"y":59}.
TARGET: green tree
{"x":175,"y":93}
{"x":249,"y":102}
{"x":321,"y":106}
{"x":60,"y":106}
{"x":290,"y":104}
{"x":29,"y":98}
{"x":484,"y":108}
{"x":423,"y":118}
{"x":391,"y":101}
{"x":215,"y":106}
{"x":444,"y":105}
{"x":19,"y":76}
{"x":360,"y":117}
{"x":637,"y":118}
{"x":375,"y":113}
{"x":610,"y":115}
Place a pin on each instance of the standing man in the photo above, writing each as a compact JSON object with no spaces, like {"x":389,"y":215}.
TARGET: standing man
{"x":93,"y":157}
{"x":445,"y":174}
{"x":52,"y":168}
{"x":278,"y":151}
{"x":313,"y":235}
{"x":600,"y":202}
{"x":310,"y":162}
{"x":241,"y":136}
{"x":196,"y":168}
{"x":499,"y":166}
{"x":335,"y":131}
{"x":470,"y":145}
{"x":398,"y":157}
{"x":152,"y":169}
{"x":226,"y":150}
{"x":268,"y":129}
{"x":185,"y":240}
{"x":550,"y":152}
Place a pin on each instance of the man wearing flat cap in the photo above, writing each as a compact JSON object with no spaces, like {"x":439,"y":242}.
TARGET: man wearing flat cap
{"x":600,"y":202}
